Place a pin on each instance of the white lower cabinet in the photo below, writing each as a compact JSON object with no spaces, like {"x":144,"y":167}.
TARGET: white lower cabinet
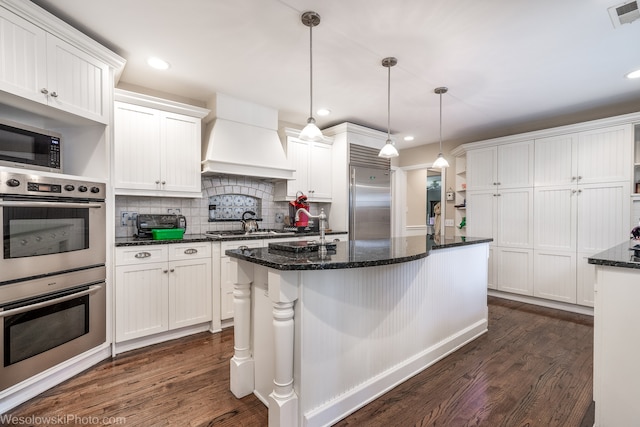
{"x":514,"y":270}
{"x":555,"y":275}
{"x":571,"y":224}
{"x":161,"y":288}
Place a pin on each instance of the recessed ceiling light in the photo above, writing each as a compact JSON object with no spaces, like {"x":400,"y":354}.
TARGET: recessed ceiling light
{"x":157,"y":63}
{"x":633,"y":75}
{"x":408,"y":138}
{"x":323,"y":112}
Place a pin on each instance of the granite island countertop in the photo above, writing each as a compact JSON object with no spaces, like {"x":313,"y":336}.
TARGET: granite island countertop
{"x":353,"y":254}
{"x":620,"y":255}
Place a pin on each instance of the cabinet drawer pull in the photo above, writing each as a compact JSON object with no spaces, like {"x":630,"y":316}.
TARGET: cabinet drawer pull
{"x":142,"y":255}
{"x":190,"y":251}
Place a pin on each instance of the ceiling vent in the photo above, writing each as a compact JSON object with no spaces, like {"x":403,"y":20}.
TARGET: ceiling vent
{"x":625,"y":13}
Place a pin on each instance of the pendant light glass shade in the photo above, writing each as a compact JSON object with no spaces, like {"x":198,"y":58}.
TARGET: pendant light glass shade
{"x":440,"y":162}
{"x":311,"y":132}
{"x":389,"y":149}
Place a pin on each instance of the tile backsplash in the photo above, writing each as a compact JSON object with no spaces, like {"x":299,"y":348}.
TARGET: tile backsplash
{"x":197,"y":210}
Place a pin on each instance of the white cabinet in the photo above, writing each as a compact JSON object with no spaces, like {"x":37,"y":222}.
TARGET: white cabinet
{"x":157,"y":152}
{"x":41,"y":67}
{"x":312,"y":164}
{"x":581,"y":207}
{"x":573,"y":222}
{"x":504,"y":166}
{"x":499,"y":196}
{"x":161,"y":288}
{"x":594,"y":156}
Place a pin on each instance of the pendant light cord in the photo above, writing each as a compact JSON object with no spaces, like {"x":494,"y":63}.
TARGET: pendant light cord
{"x":389,"y":104}
{"x":310,"y":70}
{"x":440,"y":122}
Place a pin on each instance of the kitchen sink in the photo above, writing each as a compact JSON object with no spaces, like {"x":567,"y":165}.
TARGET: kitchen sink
{"x":232,"y":233}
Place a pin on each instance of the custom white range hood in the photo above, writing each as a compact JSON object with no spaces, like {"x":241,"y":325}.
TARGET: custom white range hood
{"x":243,"y":140}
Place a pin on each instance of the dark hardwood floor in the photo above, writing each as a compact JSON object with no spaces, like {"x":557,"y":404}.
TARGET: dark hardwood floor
{"x":533,"y":368}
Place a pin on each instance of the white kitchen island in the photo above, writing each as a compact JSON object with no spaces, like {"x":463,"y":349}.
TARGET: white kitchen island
{"x":318,"y":337}
{"x":616,"y":341}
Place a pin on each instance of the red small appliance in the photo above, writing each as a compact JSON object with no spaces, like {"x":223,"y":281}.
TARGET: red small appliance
{"x":294,"y":205}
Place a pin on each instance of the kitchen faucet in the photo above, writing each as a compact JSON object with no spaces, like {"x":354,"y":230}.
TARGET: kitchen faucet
{"x":321,"y":216}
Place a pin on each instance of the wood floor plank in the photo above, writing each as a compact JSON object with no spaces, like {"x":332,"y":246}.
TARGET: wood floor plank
{"x":533,"y":368}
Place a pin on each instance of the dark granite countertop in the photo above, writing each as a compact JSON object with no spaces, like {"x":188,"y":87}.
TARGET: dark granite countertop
{"x":618,"y":256}
{"x":353,"y":254}
{"x":188,"y":238}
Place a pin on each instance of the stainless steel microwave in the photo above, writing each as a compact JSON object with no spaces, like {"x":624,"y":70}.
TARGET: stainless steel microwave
{"x":31,"y":148}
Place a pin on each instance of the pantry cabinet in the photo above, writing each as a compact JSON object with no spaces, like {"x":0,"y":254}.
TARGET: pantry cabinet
{"x":161,"y":288}
{"x":499,"y":204}
{"x":39,"y":66}
{"x":581,"y":208}
{"x":550,"y":199}
{"x":157,"y":151}
{"x":311,"y":162}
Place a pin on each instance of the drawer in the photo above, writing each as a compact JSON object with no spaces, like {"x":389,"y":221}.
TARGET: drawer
{"x":131,"y":255}
{"x":224,"y":246}
{"x":182,"y":251}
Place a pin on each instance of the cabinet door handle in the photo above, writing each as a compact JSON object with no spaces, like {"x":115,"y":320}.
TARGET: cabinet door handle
{"x":164,"y":182}
{"x":142,"y":255}
{"x":158,"y":182}
{"x":579,"y":177}
{"x":573,"y":178}
{"x":165,"y":271}
{"x":172,"y":270}
{"x":54,"y":95}
{"x":44,"y":90}
{"x":190,"y":251}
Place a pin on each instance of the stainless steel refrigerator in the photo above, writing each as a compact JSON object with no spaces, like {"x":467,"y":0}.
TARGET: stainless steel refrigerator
{"x":369,"y":203}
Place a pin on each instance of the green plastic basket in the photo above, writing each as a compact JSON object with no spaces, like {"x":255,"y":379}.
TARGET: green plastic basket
{"x":167,"y":233}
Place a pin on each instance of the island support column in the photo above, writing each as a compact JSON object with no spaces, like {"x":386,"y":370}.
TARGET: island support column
{"x":283,"y":401}
{"x":242,"y":379}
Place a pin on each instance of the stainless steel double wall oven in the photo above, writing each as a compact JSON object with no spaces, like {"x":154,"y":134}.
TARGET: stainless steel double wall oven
{"x":52,"y":271}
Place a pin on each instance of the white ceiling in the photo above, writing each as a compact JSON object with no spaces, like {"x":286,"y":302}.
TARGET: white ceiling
{"x":510,"y":66}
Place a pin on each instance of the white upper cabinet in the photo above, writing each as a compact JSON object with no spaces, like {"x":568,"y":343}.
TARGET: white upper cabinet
{"x":23,"y":69}
{"x":76,"y":82}
{"x":594,"y":156}
{"x":39,"y":66}
{"x":482,"y":168}
{"x":555,"y":160}
{"x":312,"y":164}
{"x":503,"y":166}
{"x":604,"y":155}
{"x":157,"y":152}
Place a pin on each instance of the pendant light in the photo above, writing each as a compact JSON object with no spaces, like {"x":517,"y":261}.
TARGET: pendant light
{"x":440,"y":162}
{"x":389,"y":149}
{"x":311,"y":132}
